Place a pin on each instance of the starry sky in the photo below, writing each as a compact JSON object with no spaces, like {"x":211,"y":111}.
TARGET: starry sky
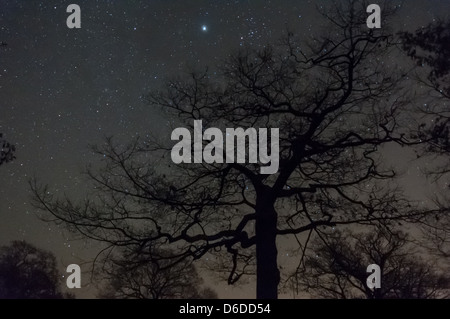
{"x":62,"y":89}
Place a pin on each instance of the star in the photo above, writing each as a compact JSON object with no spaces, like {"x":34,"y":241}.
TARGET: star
{"x":204,"y":28}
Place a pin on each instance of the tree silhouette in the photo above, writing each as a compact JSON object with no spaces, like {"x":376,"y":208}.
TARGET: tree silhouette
{"x":336,"y":268}
{"x":6,"y":151}
{"x":430,"y":47}
{"x":142,"y":276}
{"x":335,"y":103}
{"x":27,"y":272}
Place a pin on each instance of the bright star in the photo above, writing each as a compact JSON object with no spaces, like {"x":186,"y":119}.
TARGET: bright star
{"x":204,"y":28}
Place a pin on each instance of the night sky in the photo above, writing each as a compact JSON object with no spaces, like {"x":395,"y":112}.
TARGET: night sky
{"x":62,"y":89}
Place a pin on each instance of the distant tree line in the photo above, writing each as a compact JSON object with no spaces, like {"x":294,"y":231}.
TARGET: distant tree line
{"x":27,"y":272}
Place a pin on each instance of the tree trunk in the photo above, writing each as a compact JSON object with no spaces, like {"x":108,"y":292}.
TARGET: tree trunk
{"x":267,"y":273}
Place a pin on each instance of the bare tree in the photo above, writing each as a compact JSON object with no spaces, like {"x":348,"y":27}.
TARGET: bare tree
{"x":142,"y":276}
{"x":429,"y":46}
{"x":335,"y":103}
{"x":336,"y":268}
